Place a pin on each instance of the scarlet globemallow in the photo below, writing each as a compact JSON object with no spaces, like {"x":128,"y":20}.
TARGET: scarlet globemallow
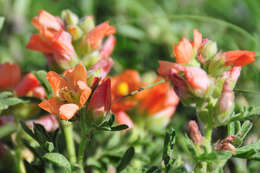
{"x":53,"y":41}
{"x":10,"y":75}
{"x":71,"y":92}
{"x":239,"y":57}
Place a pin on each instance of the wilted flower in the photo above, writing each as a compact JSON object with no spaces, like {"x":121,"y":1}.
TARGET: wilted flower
{"x":71,"y":92}
{"x":226,"y":144}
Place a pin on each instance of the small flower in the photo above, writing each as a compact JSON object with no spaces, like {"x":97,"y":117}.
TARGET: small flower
{"x":71,"y":92}
{"x":10,"y":75}
{"x":194,"y":132}
{"x":122,"y":85}
{"x":53,"y":41}
{"x":239,"y":57}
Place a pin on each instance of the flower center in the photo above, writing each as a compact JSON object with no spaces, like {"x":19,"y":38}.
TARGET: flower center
{"x":123,"y":88}
{"x":69,"y":95}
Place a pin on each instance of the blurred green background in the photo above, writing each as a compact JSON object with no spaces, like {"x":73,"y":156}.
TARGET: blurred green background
{"x":146,"y":32}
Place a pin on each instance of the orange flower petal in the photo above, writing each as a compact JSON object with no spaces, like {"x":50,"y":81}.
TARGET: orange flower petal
{"x":52,"y":105}
{"x":183,"y":51}
{"x":10,"y":75}
{"x":84,"y":96}
{"x":101,"y":98}
{"x":38,"y":44}
{"x":166,"y":67}
{"x":67,"y":111}
{"x":239,"y":57}
{"x":197,"y":39}
{"x":95,"y":36}
{"x":75,"y":74}
{"x":56,"y":82}
{"x":197,"y":78}
{"x":108,"y":47}
{"x":28,"y":83}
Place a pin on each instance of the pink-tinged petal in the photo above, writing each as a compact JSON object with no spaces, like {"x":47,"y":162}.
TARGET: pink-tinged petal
{"x":197,"y":39}
{"x":28,"y":83}
{"x":62,"y":45}
{"x":10,"y":75}
{"x":56,"y":82}
{"x":239,"y":57}
{"x":108,"y":47}
{"x":166,"y":67}
{"x":194,"y":132}
{"x":67,"y":111}
{"x":123,"y":118}
{"x":75,"y":74}
{"x":49,"y":122}
{"x":179,"y":84}
{"x":52,"y":106}
{"x":39,"y":92}
{"x":84,"y":96}
{"x":105,"y":65}
{"x":101,"y":98}
{"x":226,"y":101}
{"x":95,"y":36}
{"x":197,"y":78}
{"x":38,"y":44}
{"x":232,"y":73}
{"x":183,"y":51}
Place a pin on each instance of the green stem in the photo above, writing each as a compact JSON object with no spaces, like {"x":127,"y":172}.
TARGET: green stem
{"x":19,"y":161}
{"x":82,"y":148}
{"x":68,"y":132}
{"x":208,"y":135}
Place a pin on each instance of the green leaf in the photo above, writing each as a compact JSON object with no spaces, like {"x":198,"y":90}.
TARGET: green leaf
{"x":168,"y":149}
{"x":58,"y":160}
{"x":41,"y":76}
{"x":248,"y":151}
{"x":231,"y":129}
{"x":5,"y":94}
{"x":27,"y":130}
{"x":215,"y":155}
{"x":126,"y":159}
{"x":119,"y":127}
{"x":6,"y":102}
{"x":1,"y":22}
{"x":153,"y":169}
{"x":7,"y":129}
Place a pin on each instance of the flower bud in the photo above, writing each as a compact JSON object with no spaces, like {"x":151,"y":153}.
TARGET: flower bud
{"x":226,"y":102}
{"x":74,"y":31}
{"x":69,"y":18}
{"x":194,"y":132}
{"x":209,"y":50}
{"x":87,"y":24}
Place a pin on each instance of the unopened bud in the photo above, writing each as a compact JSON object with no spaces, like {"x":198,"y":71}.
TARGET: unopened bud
{"x":226,"y":102}
{"x":194,"y":132}
{"x":69,"y":18}
{"x":209,"y":50}
{"x":74,"y":31}
{"x":91,"y":60}
{"x":87,"y":24}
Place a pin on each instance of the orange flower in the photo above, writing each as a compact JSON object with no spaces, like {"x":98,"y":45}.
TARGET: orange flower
{"x":10,"y":75}
{"x":158,"y":98}
{"x":95,"y":36}
{"x":28,"y":83}
{"x":239,"y":57}
{"x":184,"y":49}
{"x":108,"y":47}
{"x":123,"y":118}
{"x":53,"y":39}
{"x":71,"y":92}
{"x":122,"y":85}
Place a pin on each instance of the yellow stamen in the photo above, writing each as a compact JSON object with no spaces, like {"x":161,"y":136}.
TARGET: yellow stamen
{"x":123,"y":88}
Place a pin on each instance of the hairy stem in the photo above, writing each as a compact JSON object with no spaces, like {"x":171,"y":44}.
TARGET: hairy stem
{"x":68,"y":132}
